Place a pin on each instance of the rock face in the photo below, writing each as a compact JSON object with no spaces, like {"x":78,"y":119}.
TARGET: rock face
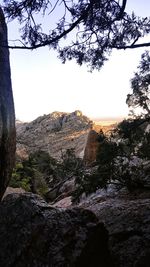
{"x":53,"y":133}
{"x":7,"y":114}
{"x":11,"y":190}
{"x":34,"y":234}
{"x":91,"y":147}
{"x":128,"y":223}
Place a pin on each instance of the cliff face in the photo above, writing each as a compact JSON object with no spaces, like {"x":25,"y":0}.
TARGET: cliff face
{"x":91,"y":147}
{"x":53,"y":133}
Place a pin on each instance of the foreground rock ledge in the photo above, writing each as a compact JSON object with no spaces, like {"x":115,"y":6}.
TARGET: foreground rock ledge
{"x":128,"y":223}
{"x":34,"y":234}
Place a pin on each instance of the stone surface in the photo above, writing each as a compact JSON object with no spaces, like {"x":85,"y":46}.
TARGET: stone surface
{"x":11,"y":190}
{"x":63,"y":203}
{"x":68,"y":187}
{"x":53,"y":133}
{"x":7,"y":114}
{"x":34,"y":234}
{"x":91,"y":147}
{"x":128,"y":222}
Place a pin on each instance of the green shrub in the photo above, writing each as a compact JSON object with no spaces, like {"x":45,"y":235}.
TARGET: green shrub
{"x":31,"y":174}
{"x":19,"y":179}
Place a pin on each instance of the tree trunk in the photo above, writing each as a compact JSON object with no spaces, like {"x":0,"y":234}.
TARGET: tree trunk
{"x":7,"y":114}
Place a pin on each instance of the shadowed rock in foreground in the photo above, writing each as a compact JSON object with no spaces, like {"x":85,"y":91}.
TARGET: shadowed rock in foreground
{"x":34,"y":234}
{"x":128,"y":223}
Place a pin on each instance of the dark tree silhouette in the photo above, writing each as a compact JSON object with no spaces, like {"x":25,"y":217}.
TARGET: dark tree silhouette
{"x":7,"y":116}
{"x":140,"y":85}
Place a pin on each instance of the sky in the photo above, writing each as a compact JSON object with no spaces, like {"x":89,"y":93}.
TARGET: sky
{"x":42,"y":84}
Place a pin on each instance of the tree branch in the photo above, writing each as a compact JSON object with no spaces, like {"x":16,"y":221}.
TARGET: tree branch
{"x":83,"y":15}
{"x":132,"y":46}
{"x":124,"y":2}
{"x":58,"y":37}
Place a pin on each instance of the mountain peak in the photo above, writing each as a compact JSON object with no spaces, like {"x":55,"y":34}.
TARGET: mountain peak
{"x":54,"y":133}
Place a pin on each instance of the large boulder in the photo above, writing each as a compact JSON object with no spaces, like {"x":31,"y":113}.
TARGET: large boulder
{"x":12,"y":190}
{"x":128,"y":222}
{"x":34,"y":234}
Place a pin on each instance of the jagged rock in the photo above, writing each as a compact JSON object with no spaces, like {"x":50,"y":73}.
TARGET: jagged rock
{"x":63,"y":203}
{"x":11,"y":190}
{"x":68,"y":187}
{"x":64,"y":191}
{"x":53,"y":133}
{"x":91,"y":147}
{"x":7,"y":114}
{"x":34,"y":234}
{"x":22,"y":152}
{"x":128,"y":223}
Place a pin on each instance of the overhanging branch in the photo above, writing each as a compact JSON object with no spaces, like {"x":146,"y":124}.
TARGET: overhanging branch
{"x":58,"y":37}
{"x":132,"y":46}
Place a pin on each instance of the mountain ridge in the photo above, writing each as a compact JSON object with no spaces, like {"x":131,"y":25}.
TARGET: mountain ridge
{"x":53,"y":133}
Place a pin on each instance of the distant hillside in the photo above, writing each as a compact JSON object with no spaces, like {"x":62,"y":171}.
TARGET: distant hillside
{"x":53,"y":133}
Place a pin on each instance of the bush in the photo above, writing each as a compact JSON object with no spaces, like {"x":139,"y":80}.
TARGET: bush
{"x":41,"y":172}
{"x":19,"y":179}
{"x":31,"y":174}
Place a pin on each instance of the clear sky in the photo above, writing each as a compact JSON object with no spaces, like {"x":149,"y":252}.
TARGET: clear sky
{"x":41,"y":84}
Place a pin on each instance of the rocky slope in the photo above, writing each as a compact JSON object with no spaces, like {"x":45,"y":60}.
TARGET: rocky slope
{"x":53,"y":133}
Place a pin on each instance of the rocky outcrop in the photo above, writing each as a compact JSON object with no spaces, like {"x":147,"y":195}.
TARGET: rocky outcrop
{"x":128,"y":223}
{"x":7,"y":115}
{"x":53,"y":133}
{"x":91,"y":147}
{"x":34,"y":234}
{"x":11,"y":190}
